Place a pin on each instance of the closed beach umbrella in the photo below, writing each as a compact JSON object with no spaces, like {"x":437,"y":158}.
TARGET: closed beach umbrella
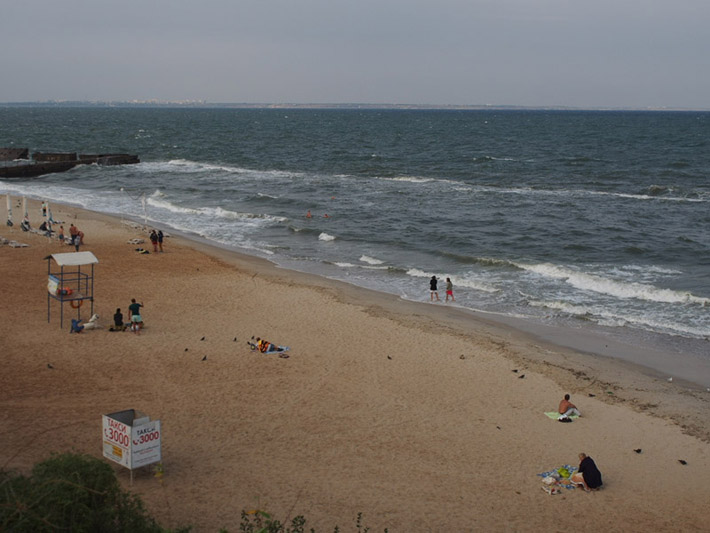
{"x":9,"y":210}
{"x":24,"y":207}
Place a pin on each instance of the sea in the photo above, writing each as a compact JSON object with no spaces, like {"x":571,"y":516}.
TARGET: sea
{"x":586,"y":220}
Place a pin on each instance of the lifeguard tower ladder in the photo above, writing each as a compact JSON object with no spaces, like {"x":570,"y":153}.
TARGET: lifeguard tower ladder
{"x":69,"y":284}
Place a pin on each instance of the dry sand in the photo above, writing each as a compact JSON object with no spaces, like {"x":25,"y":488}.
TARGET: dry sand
{"x":410,"y":413}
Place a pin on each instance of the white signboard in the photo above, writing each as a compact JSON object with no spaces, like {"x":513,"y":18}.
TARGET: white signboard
{"x":53,"y":284}
{"x":145,"y":441}
{"x":131,"y":446}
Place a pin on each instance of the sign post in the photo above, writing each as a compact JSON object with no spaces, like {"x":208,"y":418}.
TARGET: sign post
{"x":131,"y":439}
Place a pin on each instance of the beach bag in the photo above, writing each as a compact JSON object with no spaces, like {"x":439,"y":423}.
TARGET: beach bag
{"x":563,"y":472}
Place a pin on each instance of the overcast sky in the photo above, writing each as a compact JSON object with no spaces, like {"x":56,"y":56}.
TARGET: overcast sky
{"x":598,"y":53}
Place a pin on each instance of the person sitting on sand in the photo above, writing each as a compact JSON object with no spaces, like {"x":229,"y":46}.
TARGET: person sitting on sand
{"x":588,"y":475}
{"x":118,"y":321}
{"x":567,"y":408}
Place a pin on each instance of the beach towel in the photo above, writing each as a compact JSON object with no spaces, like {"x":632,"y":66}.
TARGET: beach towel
{"x":560,"y":482}
{"x":554,"y":415}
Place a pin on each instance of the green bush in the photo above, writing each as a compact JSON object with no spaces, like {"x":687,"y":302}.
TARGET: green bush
{"x":71,"y":492}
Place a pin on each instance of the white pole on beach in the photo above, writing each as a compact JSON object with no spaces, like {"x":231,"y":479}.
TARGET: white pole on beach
{"x":9,"y":210}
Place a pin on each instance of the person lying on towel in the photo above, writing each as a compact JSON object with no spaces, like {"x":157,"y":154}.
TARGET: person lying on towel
{"x":264,"y":346}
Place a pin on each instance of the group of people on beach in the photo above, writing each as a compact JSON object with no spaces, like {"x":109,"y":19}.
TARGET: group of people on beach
{"x":434,"y":291}
{"x":135,"y":320}
{"x":156,"y":239}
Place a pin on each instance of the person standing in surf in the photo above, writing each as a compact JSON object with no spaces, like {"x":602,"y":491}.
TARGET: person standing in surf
{"x":433,"y":291}
{"x":449,"y":290}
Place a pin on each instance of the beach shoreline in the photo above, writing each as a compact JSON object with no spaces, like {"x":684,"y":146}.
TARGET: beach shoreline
{"x":360,"y":407}
{"x":652,"y":358}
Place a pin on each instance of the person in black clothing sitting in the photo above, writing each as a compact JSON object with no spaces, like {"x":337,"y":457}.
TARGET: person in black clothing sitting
{"x":118,"y":324}
{"x":588,"y":475}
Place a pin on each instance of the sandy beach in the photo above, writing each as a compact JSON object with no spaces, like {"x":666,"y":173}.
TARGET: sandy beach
{"x":417,"y":415}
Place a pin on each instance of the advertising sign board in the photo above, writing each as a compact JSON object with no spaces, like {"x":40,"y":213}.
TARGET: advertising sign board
{"x":129,"y":441}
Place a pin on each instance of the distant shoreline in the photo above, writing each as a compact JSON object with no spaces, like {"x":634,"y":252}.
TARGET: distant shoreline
{"x":197,"y":104}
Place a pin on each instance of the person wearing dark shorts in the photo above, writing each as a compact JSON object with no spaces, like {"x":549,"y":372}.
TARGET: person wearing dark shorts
{"x":433,"y":291}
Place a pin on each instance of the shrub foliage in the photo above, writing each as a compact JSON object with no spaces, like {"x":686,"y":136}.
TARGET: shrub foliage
{"x":70,"y":492}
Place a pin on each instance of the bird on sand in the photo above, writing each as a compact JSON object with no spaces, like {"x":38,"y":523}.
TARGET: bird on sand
{"x":202,"y":339}
{"x":681,"y":461}
{"x":521,"y":376}
{"x":50,"y":366}
{"x":638,"y":450}
{"x":204,"y":358}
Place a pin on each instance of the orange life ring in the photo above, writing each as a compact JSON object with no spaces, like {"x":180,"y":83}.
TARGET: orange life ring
{"x":76,"y":304}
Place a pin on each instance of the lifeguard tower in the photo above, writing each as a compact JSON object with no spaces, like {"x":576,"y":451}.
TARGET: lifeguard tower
{"x":70,"y":283}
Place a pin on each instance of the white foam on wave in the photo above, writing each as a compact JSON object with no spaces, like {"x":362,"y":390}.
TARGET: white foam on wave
{"x":416,"y":273}
{"x":410,"y":179}
{"x":474,"y":284}
{"x":598,"y":284}
{"x":325,"y":237}
{"x":605,"y":317}
{"x":344,"y":265}
{"x":370,"y":260}
{"x":218,"y":212}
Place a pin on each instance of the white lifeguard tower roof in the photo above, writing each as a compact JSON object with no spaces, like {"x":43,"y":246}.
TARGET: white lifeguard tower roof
{"x":75,"y":259}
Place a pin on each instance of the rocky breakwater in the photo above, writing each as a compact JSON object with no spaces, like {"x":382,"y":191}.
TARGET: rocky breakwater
{"x":16,"y":162}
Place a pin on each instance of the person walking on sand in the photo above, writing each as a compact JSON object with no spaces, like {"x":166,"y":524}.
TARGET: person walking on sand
{"x":160,"y":239}
{"x":154,"y":240}
{"x":567,"y":408}
{"x":449,"y":290}
{"x":61,"y":235}
{"x":433,"y":291}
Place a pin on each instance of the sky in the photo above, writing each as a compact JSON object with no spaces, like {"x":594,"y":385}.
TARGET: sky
{"x":590,"y":54}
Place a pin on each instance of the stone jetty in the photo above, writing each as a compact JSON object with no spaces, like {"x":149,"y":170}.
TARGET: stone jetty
{"x":18,"y":163}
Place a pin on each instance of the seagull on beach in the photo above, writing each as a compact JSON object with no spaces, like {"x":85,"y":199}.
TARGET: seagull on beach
{"x":521,"y":376}
{"x":638,"y":450}
{"x":204,"y":358}
{"x":202,"y":339}
{"x":50,"y":366}
{"x":681,"y":461}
